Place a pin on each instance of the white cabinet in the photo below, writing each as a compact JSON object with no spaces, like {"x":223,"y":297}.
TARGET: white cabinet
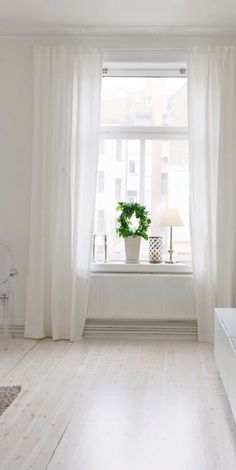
{"x":232,"y":377}
{"x":225,"y":351}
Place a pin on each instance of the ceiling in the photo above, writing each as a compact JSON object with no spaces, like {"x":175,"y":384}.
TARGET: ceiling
{"x":204,"y":13}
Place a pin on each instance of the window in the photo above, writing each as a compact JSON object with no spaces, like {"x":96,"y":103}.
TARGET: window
{"x":164,"y":184}
{"x":118,"y":151}
{"x":145,"y":156}
{"x":132,"y":196}
{"x":100,"y":184}
{"x":100,"y":221}
{"x":118,"y":189}
{"x":131,"y":166}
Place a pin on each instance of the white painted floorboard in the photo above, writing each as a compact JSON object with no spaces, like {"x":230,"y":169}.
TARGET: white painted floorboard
{"x":115,"y":405}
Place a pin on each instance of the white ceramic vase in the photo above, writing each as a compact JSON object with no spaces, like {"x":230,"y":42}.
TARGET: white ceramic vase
{"x":132,"y":249}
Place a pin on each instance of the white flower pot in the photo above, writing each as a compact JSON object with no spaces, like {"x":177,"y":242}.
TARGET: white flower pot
{"x":132,"y":249}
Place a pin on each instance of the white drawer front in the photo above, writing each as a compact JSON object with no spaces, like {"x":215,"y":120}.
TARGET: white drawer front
{"x":232,"y":379}
{"x":222,"y":352}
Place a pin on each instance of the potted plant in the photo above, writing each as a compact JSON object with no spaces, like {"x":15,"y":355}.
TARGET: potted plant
{"x":133,"y":223}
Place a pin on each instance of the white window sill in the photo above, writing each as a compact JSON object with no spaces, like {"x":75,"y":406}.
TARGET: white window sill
{"x":142,"y":267}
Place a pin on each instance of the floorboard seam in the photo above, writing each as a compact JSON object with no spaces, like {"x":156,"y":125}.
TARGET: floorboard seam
{"x":19,"y":361}
{"x":59,"y":441}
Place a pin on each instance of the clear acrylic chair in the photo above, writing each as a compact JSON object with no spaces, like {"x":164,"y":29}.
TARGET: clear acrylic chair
{"x":7,"y":272}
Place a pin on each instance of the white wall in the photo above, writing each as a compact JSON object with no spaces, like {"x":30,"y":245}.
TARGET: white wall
{"x":16,"y":116}
{"x":15,"y":158}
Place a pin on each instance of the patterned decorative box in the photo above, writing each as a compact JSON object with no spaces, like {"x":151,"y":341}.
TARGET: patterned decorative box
{"x":155,"y":249}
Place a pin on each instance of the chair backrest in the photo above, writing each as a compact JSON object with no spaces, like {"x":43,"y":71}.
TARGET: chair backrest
{"x":5,"y":263}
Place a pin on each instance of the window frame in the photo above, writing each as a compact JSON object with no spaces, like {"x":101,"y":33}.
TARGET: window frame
{"x":143,"y":133}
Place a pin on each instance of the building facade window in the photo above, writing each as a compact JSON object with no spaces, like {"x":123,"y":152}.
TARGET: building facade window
{"x":100,"y":221}
{"x":164,"y":184}
{"x":131,"y":166}
{"x":118,"y":189}
{"x":100,"y":183}
{"x":145,"y":155}
{"x":132,"y":196}
{"x":118,"y":151}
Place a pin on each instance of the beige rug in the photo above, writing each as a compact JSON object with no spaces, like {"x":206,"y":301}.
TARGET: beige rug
{"x":7,"y":396}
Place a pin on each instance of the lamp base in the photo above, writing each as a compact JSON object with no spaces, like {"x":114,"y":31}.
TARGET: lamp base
{"x":170,"y":262}
{"x":170,"y":251}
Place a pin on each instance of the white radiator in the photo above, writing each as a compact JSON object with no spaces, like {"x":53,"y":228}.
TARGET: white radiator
{"x":141,"y":306}
{"x":18,"y":331}
{"x":141,"y":296}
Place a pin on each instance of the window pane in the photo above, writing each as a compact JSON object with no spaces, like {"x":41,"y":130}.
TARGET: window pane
{"x":167,"y":185}
{"x":159,"y":179}
{"x":144,"y":101}
{"x":120,"y":184}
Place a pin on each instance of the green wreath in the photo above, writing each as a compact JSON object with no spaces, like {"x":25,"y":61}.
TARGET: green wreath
{"x":128,"y":209}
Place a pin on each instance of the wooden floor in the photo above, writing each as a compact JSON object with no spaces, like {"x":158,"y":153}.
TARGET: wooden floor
{"x":115,"y":405}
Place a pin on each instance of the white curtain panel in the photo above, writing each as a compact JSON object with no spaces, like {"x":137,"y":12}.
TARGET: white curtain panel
{"x":212,"y":124}
{"x":67,"y":83}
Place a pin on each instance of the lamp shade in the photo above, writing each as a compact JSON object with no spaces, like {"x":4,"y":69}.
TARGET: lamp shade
{"x":171,"y":218}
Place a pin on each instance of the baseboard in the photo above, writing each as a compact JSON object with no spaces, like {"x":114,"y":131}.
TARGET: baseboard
{"x":18,"y":331}
{"x":163,"y":329}
{"x":118,"y":329}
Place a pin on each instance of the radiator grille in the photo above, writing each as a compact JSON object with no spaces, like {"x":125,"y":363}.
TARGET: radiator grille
{"x":163,"y":329}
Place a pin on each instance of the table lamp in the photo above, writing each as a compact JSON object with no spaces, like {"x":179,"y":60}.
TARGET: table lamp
{"x":171,"y":218}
